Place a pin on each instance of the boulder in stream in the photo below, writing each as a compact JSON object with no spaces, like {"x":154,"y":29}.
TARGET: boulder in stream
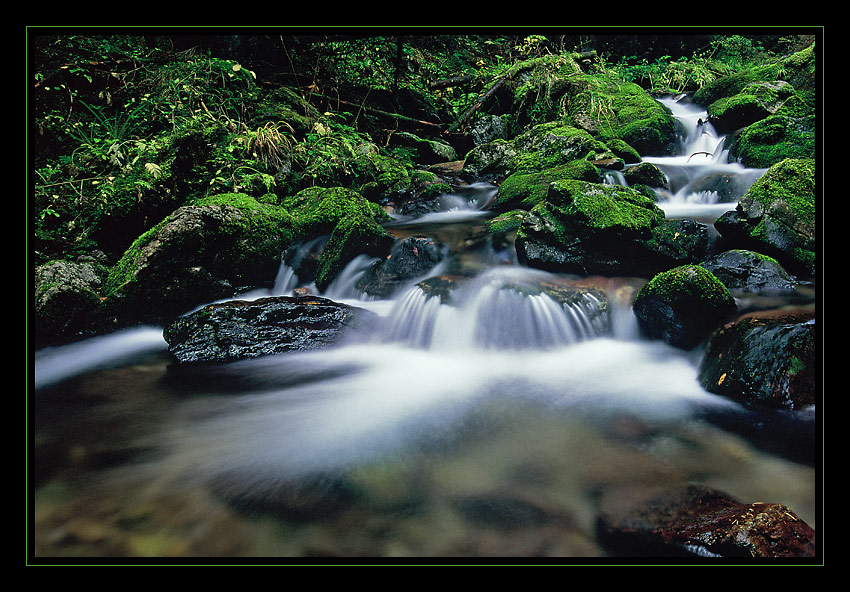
{"x":767,"y":358}
{"x":409,"y":259}
{"x":682,"y":306}
{"x":240,"y":329}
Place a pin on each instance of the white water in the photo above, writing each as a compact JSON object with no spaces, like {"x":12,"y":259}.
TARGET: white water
{"x":701,"y":157}
{"x":466,"y":393}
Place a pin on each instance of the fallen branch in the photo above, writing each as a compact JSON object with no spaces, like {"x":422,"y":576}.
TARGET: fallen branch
{"x":379,"y":111}
{"x":451,"y":81}
{"x":700,"y":152}
{"x":465,"y":115}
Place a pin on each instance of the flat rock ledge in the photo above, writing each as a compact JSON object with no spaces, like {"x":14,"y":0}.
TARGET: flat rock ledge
{"x":241,"y":329}
{"x":694,"y":521}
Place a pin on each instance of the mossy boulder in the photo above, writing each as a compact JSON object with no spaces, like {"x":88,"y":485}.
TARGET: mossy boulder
{"x":777,"y":216}
{"x":681,"y":306}
{"x":381,"y":177}
{"x":567,"y":89}
{"x":765,"y":359}
{"x":592,"y":228}
{"x":424,"y":150}
{"x":613,"y":109}
{"x":647,"y":174}
{"x":317,"y":210}
{"x":200,"y":253}
{"x":545,"y":146}
{"x":790,"y":132}
{"x":526,"y":189}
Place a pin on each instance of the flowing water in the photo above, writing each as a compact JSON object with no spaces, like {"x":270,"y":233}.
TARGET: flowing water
{"x":488,"y":424}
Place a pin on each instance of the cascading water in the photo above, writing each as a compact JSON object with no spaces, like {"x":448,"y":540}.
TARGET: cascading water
{"x":703,"y":183}
{"x":504,"y":383}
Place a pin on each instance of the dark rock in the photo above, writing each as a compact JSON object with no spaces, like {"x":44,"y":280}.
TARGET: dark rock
{"x":750,"y":271}
{"x":409,"y":259}
{"x":246,"y":329}
{"x":682,"y":306}
{"x":698,"y":522}
{"x":765,"y":358}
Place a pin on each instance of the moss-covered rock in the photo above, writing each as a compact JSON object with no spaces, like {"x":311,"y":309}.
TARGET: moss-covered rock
{"x":203,"y":252}
{"x":526,"y":189}
{"x":777,"y":216}
{"x":591,"y":228}
{"x":775,"y":104}
{"x":647,"y":174}
{"x":316,"y":211}
{"x":682,"y":306}
{"x":424,"y":150}
{"x":788,"y":133}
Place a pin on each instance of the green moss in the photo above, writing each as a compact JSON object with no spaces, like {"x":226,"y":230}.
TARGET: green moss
{"x":605,"y":206}
{"x":317,"y":210}
{"x":507,"y":222}
{"x":123,"y":271}
{"x":793,"y":182}
{"x":690,"y":282}
{"x":524,"y":190}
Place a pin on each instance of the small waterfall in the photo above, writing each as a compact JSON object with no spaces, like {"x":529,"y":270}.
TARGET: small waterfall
{"x":702,"y":182}
{"x":344,"y":285}
{"x":463,"y":203}
{"x":502,"y":309}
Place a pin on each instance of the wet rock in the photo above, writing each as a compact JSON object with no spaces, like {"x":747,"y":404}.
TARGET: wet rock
{"x":698,"y":522}
{"x":409,"y":259}
{"x":590,"y":228}
{"x":750,"y":271}
{"x":766,"y":358}
{"x":682,"y":306}
{"x":246,"y":329}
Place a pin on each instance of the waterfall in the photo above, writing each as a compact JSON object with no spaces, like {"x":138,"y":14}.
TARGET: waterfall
{"x":501,"y":309}
{"x":703,"y":183}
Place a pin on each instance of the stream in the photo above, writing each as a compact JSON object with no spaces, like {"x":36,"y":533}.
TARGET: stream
{"x":485,"y":428}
